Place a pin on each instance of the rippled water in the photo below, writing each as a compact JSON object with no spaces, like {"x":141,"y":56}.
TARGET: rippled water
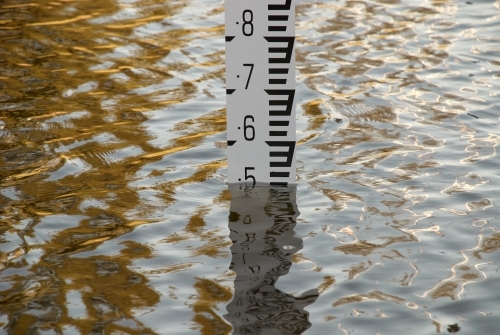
{"x":116,"y":217}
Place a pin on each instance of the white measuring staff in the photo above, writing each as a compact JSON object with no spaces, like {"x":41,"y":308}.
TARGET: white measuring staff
{"x":260,"y":91}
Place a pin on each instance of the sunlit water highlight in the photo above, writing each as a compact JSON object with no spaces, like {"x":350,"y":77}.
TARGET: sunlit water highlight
{"x":115,"y":216}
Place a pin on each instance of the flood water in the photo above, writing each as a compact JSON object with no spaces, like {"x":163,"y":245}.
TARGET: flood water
{"x":115,"y":214}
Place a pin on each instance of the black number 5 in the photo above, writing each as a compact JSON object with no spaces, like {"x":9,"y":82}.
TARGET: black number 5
{"x":248,"y":176}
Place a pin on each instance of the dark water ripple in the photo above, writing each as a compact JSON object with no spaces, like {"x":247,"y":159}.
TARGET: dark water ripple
{"x":114,"y":212}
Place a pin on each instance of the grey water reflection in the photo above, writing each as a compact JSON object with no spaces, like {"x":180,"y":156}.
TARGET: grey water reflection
{"x":261,"y":224}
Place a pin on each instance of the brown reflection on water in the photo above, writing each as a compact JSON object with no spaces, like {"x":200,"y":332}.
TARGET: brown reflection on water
{"x":206,"y":316}
{"x":73,"y":137}
{"x":214,"y":243}
{"x":57,"y":293}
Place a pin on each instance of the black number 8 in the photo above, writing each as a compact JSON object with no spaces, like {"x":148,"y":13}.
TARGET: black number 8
{"x":247,"y":23}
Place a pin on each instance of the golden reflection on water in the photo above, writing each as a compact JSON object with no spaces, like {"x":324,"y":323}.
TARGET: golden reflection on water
{"x":112,"y":163}
{"x":72,"y":141}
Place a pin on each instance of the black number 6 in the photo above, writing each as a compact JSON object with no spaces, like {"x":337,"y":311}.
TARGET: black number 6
{"x":248,"y":127}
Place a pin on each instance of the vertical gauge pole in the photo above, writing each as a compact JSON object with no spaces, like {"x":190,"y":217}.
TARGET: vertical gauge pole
{"x":260,"y":92}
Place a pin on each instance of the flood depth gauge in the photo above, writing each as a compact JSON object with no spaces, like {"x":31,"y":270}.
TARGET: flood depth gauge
{"x":260,"y":91}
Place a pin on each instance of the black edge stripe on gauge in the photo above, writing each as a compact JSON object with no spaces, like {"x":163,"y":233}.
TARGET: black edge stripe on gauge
{"x":279,"y":184}
{"x":230,"y":90}
{"x":288,"y":103}
{"x":275,"y":70}
{"x":275,"y":174}
{"x":286,"y":6}
{"x":277,"y":17}
{"x":230,"y":143}
{"x":276,"y":28}
{"x":288,"y":154}
{"x":277,"y":81}
{"x":279,"y":123}
{"x":229,"y":38}
{"x":288,"y":50}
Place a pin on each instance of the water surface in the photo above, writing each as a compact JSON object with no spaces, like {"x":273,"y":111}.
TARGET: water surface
{"x":116,"y":218}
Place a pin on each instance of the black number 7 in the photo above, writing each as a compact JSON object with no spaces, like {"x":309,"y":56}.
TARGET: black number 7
{"x":250,"y":75}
